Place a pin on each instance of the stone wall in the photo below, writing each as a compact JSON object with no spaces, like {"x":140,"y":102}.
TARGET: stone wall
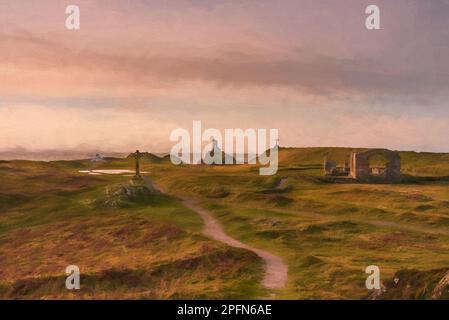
{"x":360,"y":166}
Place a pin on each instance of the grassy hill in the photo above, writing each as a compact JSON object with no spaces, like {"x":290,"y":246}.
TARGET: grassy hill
{"x":147,"y":157}
{"x":53,"y":216}
{"x":328,"y":232}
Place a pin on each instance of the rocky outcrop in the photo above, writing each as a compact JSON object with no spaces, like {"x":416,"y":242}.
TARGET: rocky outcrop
{"x":414,"y":284}
{"x":137,"y":190}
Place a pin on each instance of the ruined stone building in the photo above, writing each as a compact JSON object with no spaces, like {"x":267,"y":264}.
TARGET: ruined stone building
{"x":360,"y":169}
{"x":359,"y":166}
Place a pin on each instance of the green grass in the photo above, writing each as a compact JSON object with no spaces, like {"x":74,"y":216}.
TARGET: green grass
{"x":327,"y":231}
{"x":150,"y":248}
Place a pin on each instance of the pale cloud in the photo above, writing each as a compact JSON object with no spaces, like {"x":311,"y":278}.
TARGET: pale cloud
{"x":38,"y":127}
{"x":67,"y":71}
{"x":134,"y":72}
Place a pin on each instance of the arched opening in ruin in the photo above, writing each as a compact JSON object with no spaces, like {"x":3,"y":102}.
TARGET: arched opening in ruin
{"x":378,"y":164}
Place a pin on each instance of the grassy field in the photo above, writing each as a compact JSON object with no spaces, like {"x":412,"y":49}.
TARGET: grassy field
{"x":326,"y":230}
{"x":52,"y":216}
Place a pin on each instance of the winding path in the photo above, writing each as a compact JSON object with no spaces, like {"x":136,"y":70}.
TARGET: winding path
{"x":275,"y":269}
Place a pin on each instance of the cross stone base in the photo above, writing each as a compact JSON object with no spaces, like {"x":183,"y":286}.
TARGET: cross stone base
{"x":138,"y":181}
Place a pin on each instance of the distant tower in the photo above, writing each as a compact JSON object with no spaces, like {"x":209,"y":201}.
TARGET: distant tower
{"x":215,"y":155}
{"x":215,"y":147}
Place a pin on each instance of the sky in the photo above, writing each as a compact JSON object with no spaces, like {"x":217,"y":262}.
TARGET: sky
{"x":137,"y":70}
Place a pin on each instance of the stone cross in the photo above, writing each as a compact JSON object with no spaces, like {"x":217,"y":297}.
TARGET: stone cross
{"x":137,"y":155}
